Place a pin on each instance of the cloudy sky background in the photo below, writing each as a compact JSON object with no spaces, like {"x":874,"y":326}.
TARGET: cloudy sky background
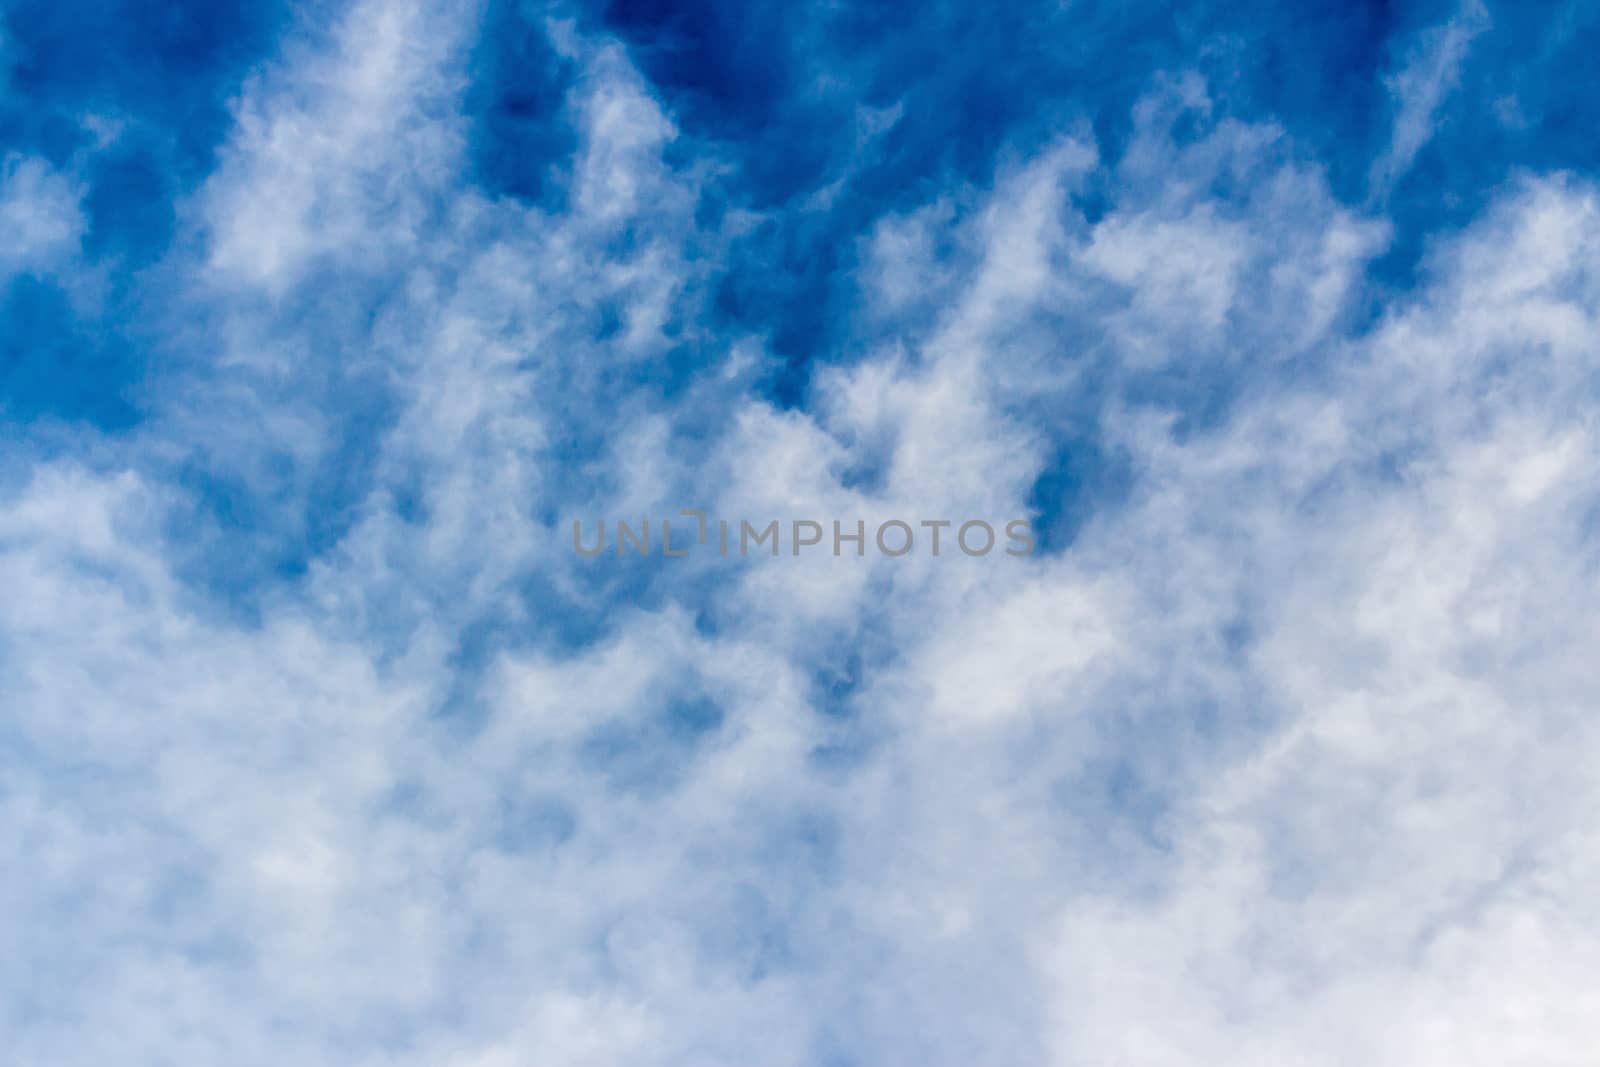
{"x":320,"y":323}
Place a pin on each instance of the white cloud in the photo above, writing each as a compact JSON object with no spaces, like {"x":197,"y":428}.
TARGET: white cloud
{"x":1431,"y":70}
{"x":334,"y":155}
{"x":41,"y":215}
{"x":1285,"y":761}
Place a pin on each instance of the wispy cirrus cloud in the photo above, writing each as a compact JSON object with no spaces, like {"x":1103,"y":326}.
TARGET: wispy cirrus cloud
{"x":1431,"y":69}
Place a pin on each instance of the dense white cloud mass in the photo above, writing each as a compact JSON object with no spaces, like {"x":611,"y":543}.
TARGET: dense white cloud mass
{"x":1288,"y":758}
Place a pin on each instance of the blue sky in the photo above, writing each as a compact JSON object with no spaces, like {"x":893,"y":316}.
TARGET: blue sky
{"x":321,"y":324}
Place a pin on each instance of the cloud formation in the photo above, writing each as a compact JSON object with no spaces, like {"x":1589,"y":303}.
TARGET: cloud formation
{"x":321,"y":745}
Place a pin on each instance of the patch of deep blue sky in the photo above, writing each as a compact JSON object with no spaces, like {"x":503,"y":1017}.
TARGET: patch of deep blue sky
{"x":169,"y":69}
{"x":974,"y":81}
